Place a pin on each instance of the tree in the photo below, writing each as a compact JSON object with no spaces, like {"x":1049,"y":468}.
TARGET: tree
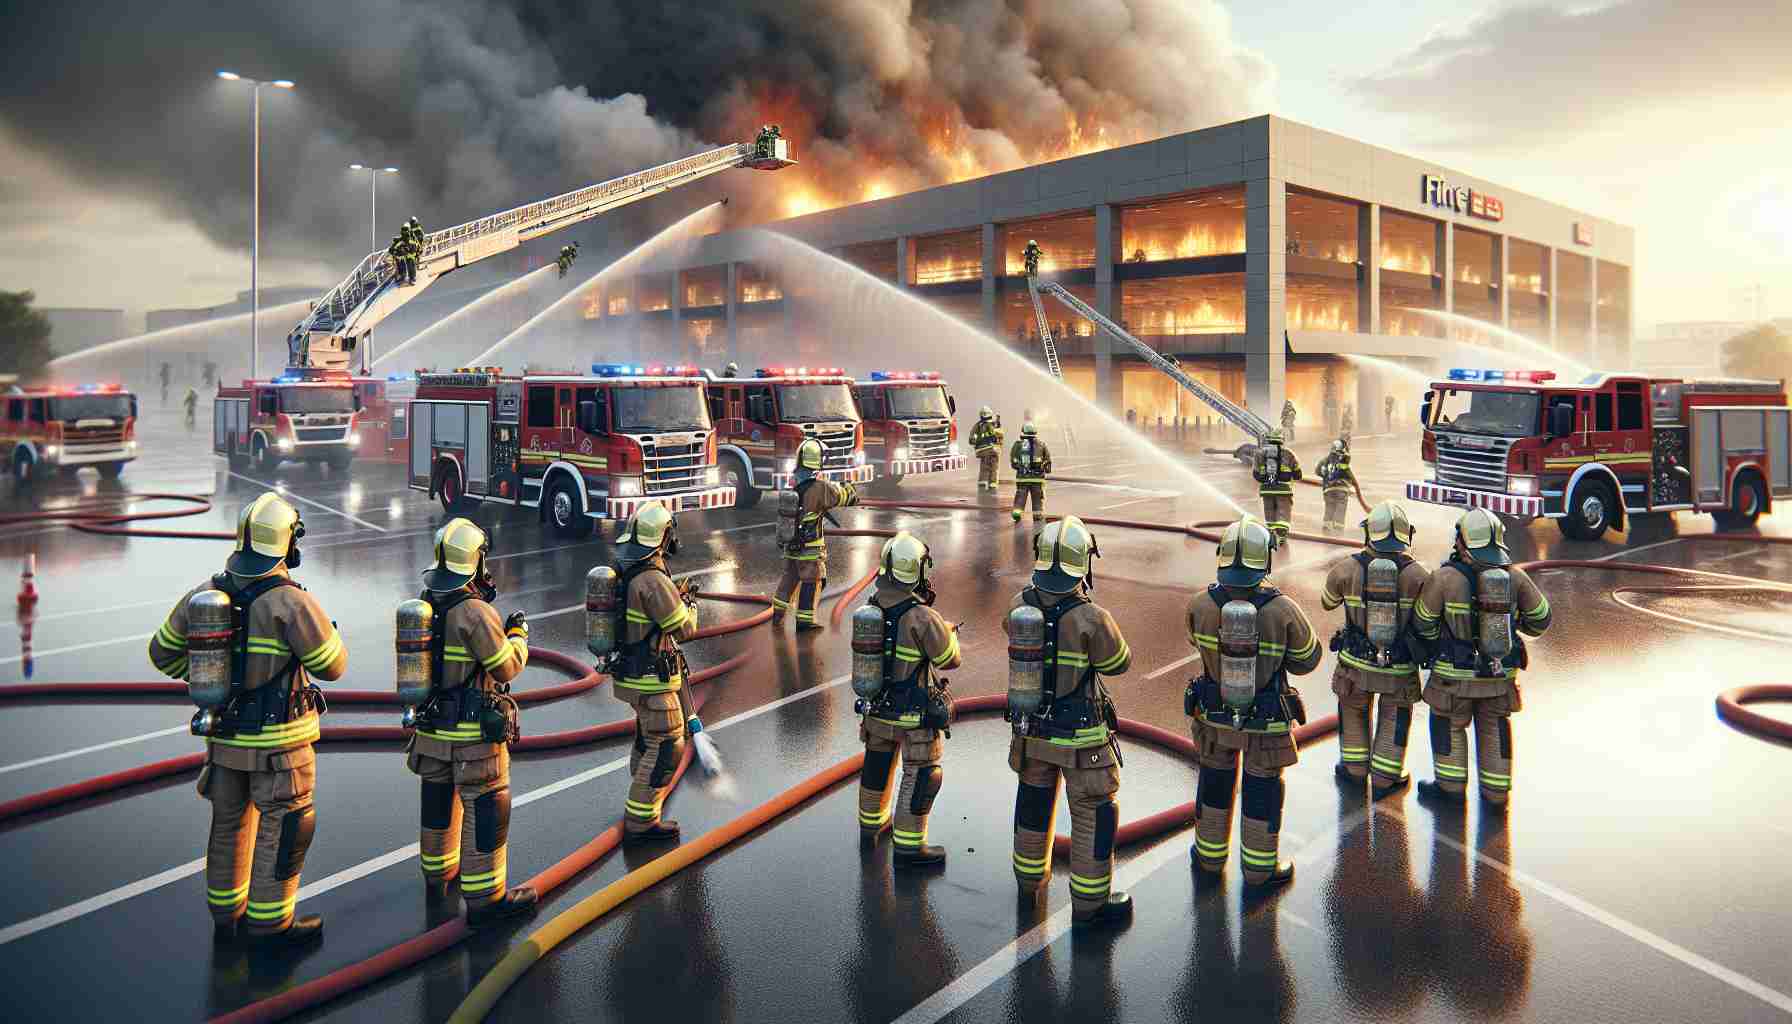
{"x":1764,"y":352}
{"x":24,"y":337}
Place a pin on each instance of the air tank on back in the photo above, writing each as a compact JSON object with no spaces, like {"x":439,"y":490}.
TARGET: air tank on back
{"x":415,"y":670}
{"x":868,"y":651}
{"x":1381,"y":606}
{"x":600,"y":611}
{"x":790,"y":511}
{"x":1238,"y":653}
{"x":208,"y":648}
{"x":1026,"y":661}
{"x":1493,"y":613}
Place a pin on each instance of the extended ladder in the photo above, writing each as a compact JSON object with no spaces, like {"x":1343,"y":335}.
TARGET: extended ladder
{"x":1051,"y":352}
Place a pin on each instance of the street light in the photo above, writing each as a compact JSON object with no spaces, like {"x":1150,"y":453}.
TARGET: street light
{"x":373,"y":199}
{"x":255,"y":242}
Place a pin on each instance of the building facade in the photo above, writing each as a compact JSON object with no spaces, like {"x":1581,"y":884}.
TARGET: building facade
{"x":73,"y":329}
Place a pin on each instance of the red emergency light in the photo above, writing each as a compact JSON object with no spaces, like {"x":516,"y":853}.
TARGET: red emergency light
{"x":800,"y":371}
{"x":681,"y":370}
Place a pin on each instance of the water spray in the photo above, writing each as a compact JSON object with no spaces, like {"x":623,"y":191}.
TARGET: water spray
{"x":1579,"y":368}
{"x":456,"y":318}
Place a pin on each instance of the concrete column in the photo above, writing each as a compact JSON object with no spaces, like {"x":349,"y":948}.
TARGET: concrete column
{"x":732,"y":299}
{"x":994,"y":266}
{"x":1446,"y":248}
{"x":1594,"y":355}
{"x":1265,"y":293}
{"x":677,"y":320}
{"x":1501,"y":255}
{"x":1549,"y":282}
{"x":1368,"y":279}
{"x":638,"y":325}
{"x":1109,"y":383}
{"x":905,"y":262}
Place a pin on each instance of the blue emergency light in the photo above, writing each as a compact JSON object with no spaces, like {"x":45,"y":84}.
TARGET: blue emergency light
{"x":615,"y":370}
{"x":905,"y":375}
{"x":1496,"y":376}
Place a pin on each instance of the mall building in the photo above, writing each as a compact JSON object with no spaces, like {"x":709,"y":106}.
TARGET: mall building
{"x":1259,"y":253}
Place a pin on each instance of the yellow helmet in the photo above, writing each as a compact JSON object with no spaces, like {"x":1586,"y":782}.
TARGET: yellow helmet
{"x":461,"y":547}
{"x":1481,"y":538}
{"x":1245,"y":553}
{"x":1064,"y":553}
{"x":808,"y":454}
{"x":1027,"y":429}
{"x":267,"y":534}
{"x":1275,"y":436}
{"x":1387,"y":529}
{"x":905,"y":559}
{"x":651,"y":527}
{"x":986,"y":413}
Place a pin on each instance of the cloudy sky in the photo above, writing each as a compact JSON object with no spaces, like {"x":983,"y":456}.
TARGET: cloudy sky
{"x":126,"y":163}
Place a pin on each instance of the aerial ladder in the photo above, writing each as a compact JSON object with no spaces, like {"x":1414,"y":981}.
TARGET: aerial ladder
{"x":345,"y":317}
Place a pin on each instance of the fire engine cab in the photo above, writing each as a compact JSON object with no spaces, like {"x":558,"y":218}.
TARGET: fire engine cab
{"x":909,"y":427}
{"x":66,"y":428}
{"x":761,"y":420}
{"x":307,"y":413}
{"x":1616,"y":444}
{"x":385,"y":406}
{"x":579,"y":448}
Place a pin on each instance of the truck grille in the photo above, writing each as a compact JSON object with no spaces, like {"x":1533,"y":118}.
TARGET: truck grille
{"x":676,"y":465}
{"x":928,"y":442}
{"x":836,"y":446}
{"x":1466,"y":463}
{"x":306,"y":434}
{"x":102,"y":437}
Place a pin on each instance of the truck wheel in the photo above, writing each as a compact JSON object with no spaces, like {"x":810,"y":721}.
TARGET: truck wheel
{"x":111,"y":470}
{"x":566,"y":511}
{"x":1747,"y":499}
{"x":736,"y":475}
{"x":1591,"y":510}
{"x":448,"y":489}
{"x":24,"y":468}
{"x":264,"y":458}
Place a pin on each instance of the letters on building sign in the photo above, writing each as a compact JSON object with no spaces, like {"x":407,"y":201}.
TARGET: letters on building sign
{"x":1460,"y":199}
{"x":1583,"y":233}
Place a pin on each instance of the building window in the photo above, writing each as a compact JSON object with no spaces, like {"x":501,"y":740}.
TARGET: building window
{"x":1169,"y":307}
{"x":1408,"y":243}
{"x":1614,"y":306}
{"x":1320,"y":303}
{"x":1067,"y":243}
{"x":1574,"y":303}
{"x":703,"y":336}
{"x":1527,"y":287}
{"x":1321,"y":228}
{"x":875,"y":258}
{"x":954,"y":257}
{"x":655,"y":292}
{"x":1071,"y":333}
{"x":1475,"y":275}
{"x":616,"y":298}
{"x":757,"y":284}
{"x":1207,"y":223}
{"x":1408,"y":259}
{"x":702,"y":286}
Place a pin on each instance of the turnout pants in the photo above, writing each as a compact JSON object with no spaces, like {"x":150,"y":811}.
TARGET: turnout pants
{"x":1024,"y":490}
{"x":1451,"y":715}
{"x":660,"y":741}
{"x":1091,"y":778}
{"x":920,"y":751}
{"x":1219,"y":751}
{"x":988,"y":469}
{"x":1382,"y":753}
{"x":465,"y":820}
{"x":1278,"y":512}
{"x":262,"y":824}
{"x":1336,"y":501}
{"x":801,"y":584}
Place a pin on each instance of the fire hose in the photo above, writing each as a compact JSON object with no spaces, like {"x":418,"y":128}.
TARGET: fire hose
{"x":96,"y":517}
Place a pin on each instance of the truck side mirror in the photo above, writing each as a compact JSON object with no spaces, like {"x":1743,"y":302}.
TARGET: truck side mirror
{"x":1425,"y":408}
{"x":1561,"y":420}
{"x":588,"y":418}
{"x":952,"y":404}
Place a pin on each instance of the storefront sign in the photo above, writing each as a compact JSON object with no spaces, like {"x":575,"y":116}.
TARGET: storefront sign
{"x":1583,"y":233}
{"x":1460,"y":199}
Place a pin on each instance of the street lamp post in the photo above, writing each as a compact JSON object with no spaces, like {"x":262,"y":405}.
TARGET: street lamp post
{"x":255,"y":238}
{"x":373,"y":200}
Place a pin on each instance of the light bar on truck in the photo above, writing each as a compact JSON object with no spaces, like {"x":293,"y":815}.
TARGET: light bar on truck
{"x":681,"y":370}
{"x":1502,"y":376}
{"x":617,"y":370}
{"x":905,"y":375}
{"x":89,"y":389}
{"x":800,"y":371}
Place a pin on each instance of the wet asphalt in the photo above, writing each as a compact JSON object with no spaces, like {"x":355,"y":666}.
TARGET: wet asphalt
{"x":1639,"y":874}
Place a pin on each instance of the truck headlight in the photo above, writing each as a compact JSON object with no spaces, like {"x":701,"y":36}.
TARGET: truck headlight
{"x":625,"y":486}
{"x":50,"y":451}
{"x":354,"y":439}
{"x":712,"y":477}
{"x":899,"y":454}
{"x":284,"y":444}
{"x":1523,"y":485}
{"x":786,"y":466}
{"x":955,"y":450}
{"x":858,"y":457}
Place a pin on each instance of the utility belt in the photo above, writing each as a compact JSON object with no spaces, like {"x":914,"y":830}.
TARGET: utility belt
{"x":248,"y":712}
{"x":468,"y":714}
{"x":1463,"y":656}
{"x":922,"y":703}
{"x":1275,"y":709}
{"x":1069,"y":718}
{"x":643,"y":660}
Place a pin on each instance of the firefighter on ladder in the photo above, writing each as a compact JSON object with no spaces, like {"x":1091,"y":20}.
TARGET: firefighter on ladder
{"x":465,"y":723}
{"x":1251,"y":638}
{"x":986,"y":443}
{"x":1275,"y":469}
{"x":1377,"y":588}
{"x":1060,"y":645}
{"x":1339,"y":482}
{"x":1031,"y":460}
{"x":802,"y":527}
{"x":247,"y":642}
{"x":767,"y":143}
{"x":1471,"y":613}
{"x":1030,"y":257}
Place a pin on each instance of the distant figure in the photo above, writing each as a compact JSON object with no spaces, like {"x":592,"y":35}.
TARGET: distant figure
{"x":1288,"y":416}
{"x":568,"y":253}
{"x":1132,"y":417}
{"x":1030,"y":256}
{"x":209,"y":373}
{"x":732,"y":370}
{"x":766,"y":145}
{"x":190,"y":401}
{"x":1138,"y":256}
{"x":165,"y":373}
{"x":396,"y":253}
{"x":1387,"y":412}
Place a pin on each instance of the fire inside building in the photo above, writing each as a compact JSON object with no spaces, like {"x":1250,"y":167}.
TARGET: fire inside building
{"x":1258,"y":253}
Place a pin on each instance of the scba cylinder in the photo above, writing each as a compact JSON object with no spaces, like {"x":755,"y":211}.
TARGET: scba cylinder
{"x":1238,"y":653}
{"x":868,"y":651}
{"x":600,"y":610}
{"x":790,"y":510}
{"x":1493,"y":628}
{"x":208,"y":648}
{"x":1026,"y":660}
{"x":415,"y":671}
{"x":1381,"y":604}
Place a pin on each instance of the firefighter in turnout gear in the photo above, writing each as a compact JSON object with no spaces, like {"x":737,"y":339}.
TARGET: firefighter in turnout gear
{"x":1288,"y":415}
{"x":1340,"y":483}
{"x":806,"y":551}
{"x":1377,"y":588}
{"x":1250,"y":638}
{"x":649,"y":670}
{"x":1470,"y":613}
{"x":899,"y":645}
{"x":247,"y":641}
{"x":1032,"y":463}
{"x":461,"y":747}
{"x":1060,"y":645}
{"x":1030,"y":256}
{"x":986,"y":442}
{"x":1275,"y":469}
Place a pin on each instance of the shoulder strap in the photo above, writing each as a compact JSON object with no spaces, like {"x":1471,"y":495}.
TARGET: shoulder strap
{"x":440,"y":605}
{"x":623,"y":579}
{"x":892,"y":624}
{"x":1263,"y":595}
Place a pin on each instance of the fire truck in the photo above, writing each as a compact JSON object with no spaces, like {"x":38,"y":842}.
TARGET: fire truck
{"x":385,"y":405}
{"x":578,"y":448}
{"x":761,"y":420}
{"x":1614,"y":445}
{"x":305,"y":414}
{"x":67,"y":428}
{"x":909,"y":426}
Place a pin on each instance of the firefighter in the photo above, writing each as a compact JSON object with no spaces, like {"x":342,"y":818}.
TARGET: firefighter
{"x":986,"y":442}
{"x":766,"y":144}
{"x":413,"y":251}
{"x":731,"y":371}
{"x":1377,"y":587}
{"x":401,"y":244}
{"x":649,"y":670}
{"x":1340,"y":483}
{"x":1251,"y":638}
{"x":190,"y":402}
{"x":1065,"y":729}
{"x":1275,"y":468}
{"x":1288,"y":418}
{"x":1031,"y":255}
{"x":1470,"y":612}
{"x":1387,"y":412}
{"x":908,"y":710}
{"x":259,"y":716}
{"x":806,"y":546}
{"x":461,"y":749}
{"x":1032,"y":463}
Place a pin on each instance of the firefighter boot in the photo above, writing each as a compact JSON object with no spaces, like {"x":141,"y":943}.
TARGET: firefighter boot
{"x":1115,"y":910}
{"x":921,"y":781}
{"x":301,"y":932}
{"x":926,"y":855}
{"x":515,"y":903}
{"x":1260,"y":834}
{"x":660,"y":831}
{"x":224,"y":933}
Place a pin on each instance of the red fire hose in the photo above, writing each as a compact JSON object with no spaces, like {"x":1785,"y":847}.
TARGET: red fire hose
{"x":102,"y":517}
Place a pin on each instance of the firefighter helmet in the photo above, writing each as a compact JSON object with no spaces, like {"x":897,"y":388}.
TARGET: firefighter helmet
{"x":652,"y":527}
{"x":808,"y":454}
{"x":1387,"y":529}
{"x":267,"y":534}
{"x":1338,"y":446}
{"x":1481,"y":538}
{"x":905,"y":559}
{"x":1245,"y":552}
{"x":1027,"y":429}
{"x":986,"y":413}
{"x":461,"y":547}
{"x":1274,"y":436}
{"x":1064,"y":553}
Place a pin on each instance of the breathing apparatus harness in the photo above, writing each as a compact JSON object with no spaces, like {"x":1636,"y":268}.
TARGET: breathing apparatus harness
{"x":644,"y":656}
{"x":1084,"y":707}
{"x":1353,"y":639}
{"x":808,"y":527}
{"x":1466,"y":654}
{"x":1276,"y":705}
{"x":476,"y":698}
{"x":900,"y":697}
{"x":277,"y":701}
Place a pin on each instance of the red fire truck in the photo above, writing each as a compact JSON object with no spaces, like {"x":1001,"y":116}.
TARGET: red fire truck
{"x":67,"y":428}
{"x":579,"y":448}
{"x":306,"y":414}
{"x":385,"y":405}
{"x":760,"y":421}
{"x":909,"y":426}
{"x":1587,"y":455}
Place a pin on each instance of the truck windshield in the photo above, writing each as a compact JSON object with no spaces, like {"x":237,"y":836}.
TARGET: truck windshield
{"x":90,"y":407}
{"x":917,"y":402}
{"x":314,"y":399}
{"x":811,"y":403}
{"x":649,"y":410}
{"x":1505,"y":413}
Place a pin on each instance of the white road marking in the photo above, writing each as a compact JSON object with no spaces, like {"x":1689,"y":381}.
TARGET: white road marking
{"x":1173,"y":666}
{"x":31,"y":926}
{"x":1136,"y":501}
{"x":108,"y":745}
{"x":87,"y":611}
{"x":142,"y":637}
{"x":288,"y":492}
{"x":539,"y":551}
{"x":740,"y":529}
{"x":1631,"y":551}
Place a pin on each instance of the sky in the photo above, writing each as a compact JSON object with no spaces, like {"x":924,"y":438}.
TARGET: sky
{"x":1666,"y":116}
